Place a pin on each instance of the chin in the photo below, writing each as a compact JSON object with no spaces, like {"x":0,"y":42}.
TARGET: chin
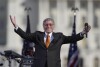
{"x":49,"y":31}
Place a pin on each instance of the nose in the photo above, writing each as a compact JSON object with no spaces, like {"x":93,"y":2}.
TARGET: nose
{"x":48,"y":25}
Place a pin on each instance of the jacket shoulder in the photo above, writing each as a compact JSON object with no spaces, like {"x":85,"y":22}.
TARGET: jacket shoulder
{"x":39,"y":32}
{"x":58,"y":33}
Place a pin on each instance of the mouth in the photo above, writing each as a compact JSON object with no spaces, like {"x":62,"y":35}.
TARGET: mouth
{"x":49,"y":30}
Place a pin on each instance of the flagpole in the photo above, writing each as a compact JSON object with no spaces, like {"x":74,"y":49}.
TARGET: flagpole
{"x":74,"y":24}
{"x":27,"y":9}
{"x":73,"y":49}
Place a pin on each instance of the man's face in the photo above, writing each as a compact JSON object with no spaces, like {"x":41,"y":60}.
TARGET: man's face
{"x":48,"y":26}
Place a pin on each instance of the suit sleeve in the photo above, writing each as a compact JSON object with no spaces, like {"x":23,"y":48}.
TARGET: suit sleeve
{"x":24,"y":35}
{"x":72,"y":39}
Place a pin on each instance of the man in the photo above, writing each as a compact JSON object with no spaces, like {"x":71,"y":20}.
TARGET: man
{"x":48,"y":43}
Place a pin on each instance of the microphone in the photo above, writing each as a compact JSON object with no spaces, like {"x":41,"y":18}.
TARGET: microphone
{"x":86,"y":29}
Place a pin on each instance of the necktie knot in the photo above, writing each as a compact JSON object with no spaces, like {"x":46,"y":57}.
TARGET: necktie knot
{"x":47,"y":40}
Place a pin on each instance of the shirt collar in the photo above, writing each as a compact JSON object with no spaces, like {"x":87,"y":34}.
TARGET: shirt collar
{"x":50,"y":34}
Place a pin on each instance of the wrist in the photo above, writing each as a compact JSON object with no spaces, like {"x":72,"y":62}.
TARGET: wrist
{"x":16,"y":27}
{"x":82,"y":32}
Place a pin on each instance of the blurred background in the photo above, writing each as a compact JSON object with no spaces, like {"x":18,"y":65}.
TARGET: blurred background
{"x":60,"y":11}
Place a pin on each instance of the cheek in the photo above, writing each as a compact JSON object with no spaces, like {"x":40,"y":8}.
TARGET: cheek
{"x":53,"y":27}
{"x":44,"y":27}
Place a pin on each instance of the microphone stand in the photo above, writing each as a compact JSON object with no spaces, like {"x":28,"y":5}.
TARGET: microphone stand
{"x":10,"y":55}
{"x":9,"y":60}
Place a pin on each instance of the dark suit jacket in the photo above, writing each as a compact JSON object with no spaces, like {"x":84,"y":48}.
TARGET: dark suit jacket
{"x":52,"y":54}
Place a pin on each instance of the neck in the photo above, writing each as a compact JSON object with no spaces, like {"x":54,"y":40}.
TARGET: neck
{"x":48,"y":32}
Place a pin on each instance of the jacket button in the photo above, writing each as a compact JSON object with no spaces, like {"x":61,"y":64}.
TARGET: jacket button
{"x":47,"y":50}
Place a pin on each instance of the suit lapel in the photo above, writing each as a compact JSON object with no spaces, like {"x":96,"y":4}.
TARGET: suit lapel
{"x":42,"y":40}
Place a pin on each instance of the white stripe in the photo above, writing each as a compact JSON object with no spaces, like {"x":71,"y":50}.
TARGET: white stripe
{"x":72,"y":58}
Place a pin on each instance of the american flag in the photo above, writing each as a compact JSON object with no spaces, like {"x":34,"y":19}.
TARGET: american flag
{"x":73,"y":50}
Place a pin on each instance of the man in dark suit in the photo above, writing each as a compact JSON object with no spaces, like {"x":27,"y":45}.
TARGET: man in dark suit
{"x":47,"y":54}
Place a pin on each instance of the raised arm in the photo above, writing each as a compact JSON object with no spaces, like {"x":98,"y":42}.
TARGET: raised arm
{"x":71,"y":39}
{"x":20,"y":32}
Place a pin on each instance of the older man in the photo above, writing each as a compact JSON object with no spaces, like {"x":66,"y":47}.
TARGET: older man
{"x":48,"y":43}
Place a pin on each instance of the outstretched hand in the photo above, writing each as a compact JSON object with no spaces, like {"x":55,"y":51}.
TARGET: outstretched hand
{"x":86,"y":29}
{"x":13,"y":20}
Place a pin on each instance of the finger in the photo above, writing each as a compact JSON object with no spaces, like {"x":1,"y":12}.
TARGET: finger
{"x":10,"y":18}
{"x":14,"y":17}
{"x":89,"y":27}
{"x":14,"y":20}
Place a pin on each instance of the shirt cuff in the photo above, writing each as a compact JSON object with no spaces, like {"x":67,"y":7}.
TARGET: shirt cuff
{"x":16,"y":28}
{"x":81,"y":34}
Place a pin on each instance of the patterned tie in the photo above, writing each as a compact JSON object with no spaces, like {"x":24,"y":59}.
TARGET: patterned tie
{"x":47,"y":40}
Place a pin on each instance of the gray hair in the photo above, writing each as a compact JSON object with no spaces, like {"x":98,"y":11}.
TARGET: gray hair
{"x":48,"y":19}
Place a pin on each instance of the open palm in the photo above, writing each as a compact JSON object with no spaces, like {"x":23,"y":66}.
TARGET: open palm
{"x":13,"y":20}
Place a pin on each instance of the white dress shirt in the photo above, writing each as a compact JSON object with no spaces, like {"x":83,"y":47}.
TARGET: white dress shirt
{"x":51,"y":37}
